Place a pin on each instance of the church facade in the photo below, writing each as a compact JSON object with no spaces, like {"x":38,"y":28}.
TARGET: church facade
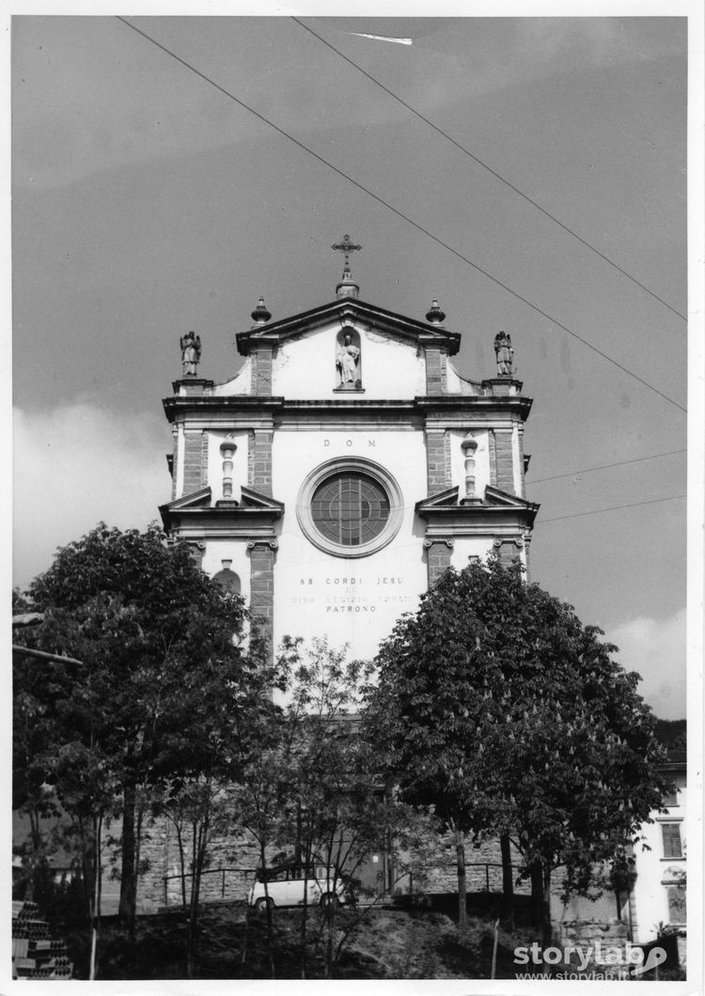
{"x":344,"y":466}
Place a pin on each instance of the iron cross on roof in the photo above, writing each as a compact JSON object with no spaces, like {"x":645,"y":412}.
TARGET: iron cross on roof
{"x":347,"y":247}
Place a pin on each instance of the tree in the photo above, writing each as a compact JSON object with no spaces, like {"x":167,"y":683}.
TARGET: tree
{"x":509,"y":715}
{"x":155,"y":638}
{"x":315,"y":793}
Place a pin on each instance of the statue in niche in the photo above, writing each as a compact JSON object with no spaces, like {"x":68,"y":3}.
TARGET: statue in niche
{"x":504,"y":354}
{"x":348,"y":362}
{"x":190,"y":353}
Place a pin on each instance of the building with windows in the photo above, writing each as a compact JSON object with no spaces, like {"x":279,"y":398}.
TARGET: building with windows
{"x":659,"y":896}
{"x":347,"y":462}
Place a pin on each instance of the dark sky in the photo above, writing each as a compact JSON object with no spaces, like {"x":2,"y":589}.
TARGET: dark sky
{"x":146,"y":203}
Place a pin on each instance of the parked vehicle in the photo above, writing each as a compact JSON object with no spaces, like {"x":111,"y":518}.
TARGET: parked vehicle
{"x":287,"y":885}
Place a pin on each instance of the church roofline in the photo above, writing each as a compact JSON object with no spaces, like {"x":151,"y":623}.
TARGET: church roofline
{"x":351,"y":308}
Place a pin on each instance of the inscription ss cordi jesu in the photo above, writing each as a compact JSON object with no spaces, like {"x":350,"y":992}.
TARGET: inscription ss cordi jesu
{"x":348,"y":594}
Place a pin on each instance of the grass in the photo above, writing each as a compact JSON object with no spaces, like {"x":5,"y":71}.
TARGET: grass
{"x":382,"y":943}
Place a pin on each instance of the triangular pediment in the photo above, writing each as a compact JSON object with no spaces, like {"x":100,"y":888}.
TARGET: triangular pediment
{"x":444,"y":499}
{"x":349,"y":310}
{"x":253,"y":499}
{"x":202,"y":499}
{"x":494,"y":497}
{"x":196,"y":499}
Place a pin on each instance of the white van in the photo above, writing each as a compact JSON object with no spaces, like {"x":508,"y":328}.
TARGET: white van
{"x":286,"y":885}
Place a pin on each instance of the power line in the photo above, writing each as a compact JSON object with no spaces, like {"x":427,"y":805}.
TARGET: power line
{"x":400,"y":214}
{"x":612,"y":508}
{"x":605,"y":466}
{"x":489,"y":169}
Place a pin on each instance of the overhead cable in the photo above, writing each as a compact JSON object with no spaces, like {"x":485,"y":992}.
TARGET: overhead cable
{"x":400,"y":214}
{"x":488,"y":168}
{"x":612,"y":508}
{"x":604,"y":466}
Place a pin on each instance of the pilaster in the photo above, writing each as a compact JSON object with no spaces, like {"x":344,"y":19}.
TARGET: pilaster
{"x":504,"y":460}
{"x":437,"y":459}
{"x":262,"y":369}
{"x":195,"y":460}
{"x":260,"y":466}
{"x":197,"y":549}
{"x":262,"y":553}
{"x":438,"y":551}
{"x":436,"y":372}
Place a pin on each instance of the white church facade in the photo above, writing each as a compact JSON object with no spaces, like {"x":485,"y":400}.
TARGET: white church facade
{"x":344,"y":466}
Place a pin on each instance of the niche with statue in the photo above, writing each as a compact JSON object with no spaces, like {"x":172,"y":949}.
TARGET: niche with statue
{"x":348,"y":360}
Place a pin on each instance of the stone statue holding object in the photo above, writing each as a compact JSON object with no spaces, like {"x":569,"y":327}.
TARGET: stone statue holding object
{"x":504,"y":354}
{"x":190,"y":353}
{"x":347,"y":361}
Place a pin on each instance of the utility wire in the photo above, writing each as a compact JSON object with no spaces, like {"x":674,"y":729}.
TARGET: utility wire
{"x":612,"y":508}
{"x":400,"y":214}
{"x":605,"y":466}
{"x":489,"y":169}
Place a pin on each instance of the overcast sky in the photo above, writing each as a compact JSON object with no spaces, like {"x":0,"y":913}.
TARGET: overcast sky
{"x":147,"y":203}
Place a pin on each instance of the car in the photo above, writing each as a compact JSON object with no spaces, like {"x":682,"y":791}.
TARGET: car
{"x":286,"y":886}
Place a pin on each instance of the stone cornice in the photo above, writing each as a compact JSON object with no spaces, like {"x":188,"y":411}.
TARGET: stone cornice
{"x":448,"y":409}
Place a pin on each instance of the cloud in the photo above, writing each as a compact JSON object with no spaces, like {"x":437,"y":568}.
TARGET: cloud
{"x":656,"y":649}
{"x":77,"y":465}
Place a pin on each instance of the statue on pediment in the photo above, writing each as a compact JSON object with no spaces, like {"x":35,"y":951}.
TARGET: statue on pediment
{"x":190,"y":353}
{"x":504,"y":354}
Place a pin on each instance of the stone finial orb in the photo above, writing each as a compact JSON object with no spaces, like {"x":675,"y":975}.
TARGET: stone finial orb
{"x":260,"y":315}
{"x":434,"y":316}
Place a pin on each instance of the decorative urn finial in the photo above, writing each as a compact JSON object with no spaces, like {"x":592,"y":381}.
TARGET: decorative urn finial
{"x":434,"y":316}
{"x":260,"y":315}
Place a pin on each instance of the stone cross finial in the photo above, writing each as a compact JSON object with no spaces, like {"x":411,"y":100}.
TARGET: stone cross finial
{"x":346,"y":246}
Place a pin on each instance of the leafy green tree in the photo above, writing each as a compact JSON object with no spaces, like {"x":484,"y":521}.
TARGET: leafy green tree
{"x":315,"y":793}
{"x":159,"y":664}
{"x":509,"y":716}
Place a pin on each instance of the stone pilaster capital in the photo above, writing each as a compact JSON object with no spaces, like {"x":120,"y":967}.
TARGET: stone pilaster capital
{"x":448,"y":540}
{"x":273,"y":544}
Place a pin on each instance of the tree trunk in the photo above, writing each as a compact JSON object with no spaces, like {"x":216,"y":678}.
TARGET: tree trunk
{"x":95,"y":900}
{"x":536,"y":872}
{"x":507,"y":880}
{"x":128,"y":878}
{"x":270,"y":931}
{"x":462,"y":884}
{"x":546,"y":931}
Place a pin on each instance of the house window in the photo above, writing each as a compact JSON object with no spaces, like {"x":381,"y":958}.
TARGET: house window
{"x":671,"y":834}
{"x":670,"y":798}
{"x":676,"y":903}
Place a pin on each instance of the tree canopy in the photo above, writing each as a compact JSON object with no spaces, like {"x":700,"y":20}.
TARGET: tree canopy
{"x":159,"y":674}
{"x":510,"y":716}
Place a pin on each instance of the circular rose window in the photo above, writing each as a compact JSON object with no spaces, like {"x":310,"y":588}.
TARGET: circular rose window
{"x":350,"y":507}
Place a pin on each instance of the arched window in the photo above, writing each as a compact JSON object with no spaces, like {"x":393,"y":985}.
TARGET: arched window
{"x":228,"y":580}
